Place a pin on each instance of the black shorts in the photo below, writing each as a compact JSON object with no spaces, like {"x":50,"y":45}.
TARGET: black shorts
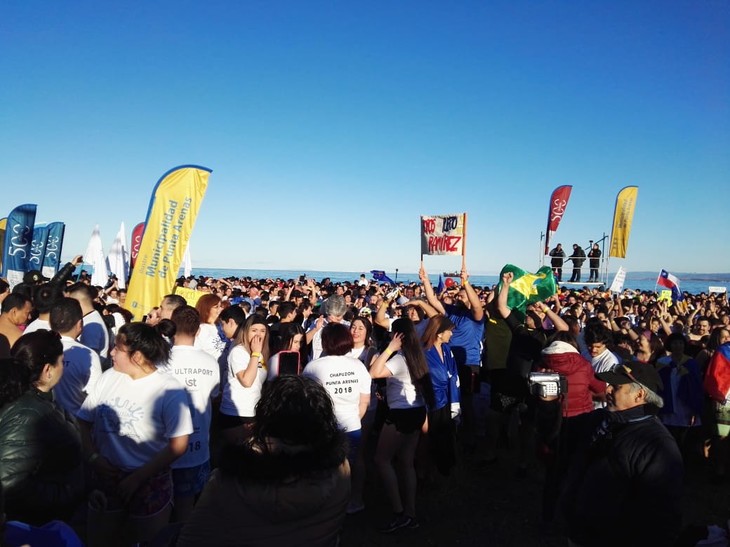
{"x":406,"y":420}
{"x":227,"y":422}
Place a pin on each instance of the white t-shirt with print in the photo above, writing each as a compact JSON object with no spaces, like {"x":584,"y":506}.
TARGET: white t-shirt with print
{"x":209,"y":340}
{"x":199,"y":373}
{"x":133,"y":420}
{"x":238,"y":400}
{"x":345,"y":379}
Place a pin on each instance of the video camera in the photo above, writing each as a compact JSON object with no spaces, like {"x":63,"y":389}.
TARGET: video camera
{"x":547,"y":384}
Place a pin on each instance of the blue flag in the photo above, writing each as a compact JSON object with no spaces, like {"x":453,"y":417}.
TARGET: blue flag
{"x":18,"y":238}
{"x":379,"y":275}
{"x":440,"y":287}
{"x":54,"y":245}
{"x":38,"y":247}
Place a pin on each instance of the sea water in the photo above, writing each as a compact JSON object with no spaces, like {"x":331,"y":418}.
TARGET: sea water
{"x":642,"y":281}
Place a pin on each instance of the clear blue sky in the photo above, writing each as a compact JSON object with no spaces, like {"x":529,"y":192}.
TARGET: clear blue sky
{"x":331,"y":126}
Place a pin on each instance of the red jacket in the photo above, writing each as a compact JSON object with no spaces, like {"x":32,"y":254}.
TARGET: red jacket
{"x":564,"y":359}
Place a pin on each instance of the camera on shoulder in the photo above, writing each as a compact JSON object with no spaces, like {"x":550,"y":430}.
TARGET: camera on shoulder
{"x":547,"y":384}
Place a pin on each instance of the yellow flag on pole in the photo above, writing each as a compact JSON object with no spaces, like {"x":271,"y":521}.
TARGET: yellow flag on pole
{"x":623,"y":216}
{"x":170,"y":220}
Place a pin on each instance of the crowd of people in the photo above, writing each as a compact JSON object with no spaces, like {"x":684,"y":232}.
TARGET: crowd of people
{"x":261,"y":408}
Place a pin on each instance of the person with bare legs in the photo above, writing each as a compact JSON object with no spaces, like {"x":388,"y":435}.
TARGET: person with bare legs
{"x":408,"y":388}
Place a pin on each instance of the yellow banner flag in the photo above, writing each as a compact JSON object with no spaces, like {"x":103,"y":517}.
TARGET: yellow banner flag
{"x":191,"y":296}
{"x":171,"y":216}
{"x":622,"y":218}
{"x":3,"y":226}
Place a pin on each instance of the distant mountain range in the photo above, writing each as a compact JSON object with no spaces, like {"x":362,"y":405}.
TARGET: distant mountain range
{"x":683,"y":276}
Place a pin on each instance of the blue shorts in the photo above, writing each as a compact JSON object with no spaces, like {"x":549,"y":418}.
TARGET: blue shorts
{"x":353,"y":437}
{"x":189,"y":481}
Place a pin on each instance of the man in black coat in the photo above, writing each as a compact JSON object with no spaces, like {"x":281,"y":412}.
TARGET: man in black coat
{"x":578,"y":256}
{"x":625,"y":470}
{"x":556,"y":261}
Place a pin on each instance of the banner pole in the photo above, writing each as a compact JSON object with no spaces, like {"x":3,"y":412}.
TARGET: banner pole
{"x":463,"y":246}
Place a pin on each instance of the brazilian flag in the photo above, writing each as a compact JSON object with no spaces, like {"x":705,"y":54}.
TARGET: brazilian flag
{"x":528,"y":288}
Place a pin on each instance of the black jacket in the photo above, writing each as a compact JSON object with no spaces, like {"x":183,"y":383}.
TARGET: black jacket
{"x":625,"y":481}
{"x":578,"y":257}
{"x":63,"y":275}
{"x":40,"y":459}
{"x":595,"y":258}
{"x":558,"y":255}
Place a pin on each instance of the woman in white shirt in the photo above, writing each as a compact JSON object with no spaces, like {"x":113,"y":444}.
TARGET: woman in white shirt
{"x":134,"y":422}
{"x":363,"y":349}
{"x":209,"y":307}
{"x":246,"y":374}
{"x":346,"y":380}
{"x":408,"y":388}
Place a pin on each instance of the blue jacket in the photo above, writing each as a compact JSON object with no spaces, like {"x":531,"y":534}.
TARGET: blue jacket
{"x":690,"y":389}
{"x":444,"y":377}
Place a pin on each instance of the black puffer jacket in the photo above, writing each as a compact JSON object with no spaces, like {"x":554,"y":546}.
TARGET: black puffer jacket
{"x":40,"y":459}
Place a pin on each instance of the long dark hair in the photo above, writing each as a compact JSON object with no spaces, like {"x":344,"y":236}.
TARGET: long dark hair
{"x":368,"y":329}
{"x":415,"y":358}
{"x":295,"y":433}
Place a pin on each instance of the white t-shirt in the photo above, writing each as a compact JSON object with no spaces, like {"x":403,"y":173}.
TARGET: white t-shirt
{"x":317,"y":339}
{"x":200,"y":375}
{"x":95,"y":335}
{"x":81,"y":371}
{"x":317,"y":344}
{"x":399,"y":390}
{"x":604,"y":362}
{"x":37,"y":324}
{"x":209,"y":340}
{"x":238,"y":400}
{"x":355,"y":353}
{"x":345,"y":379}
{"x":133,"y":420}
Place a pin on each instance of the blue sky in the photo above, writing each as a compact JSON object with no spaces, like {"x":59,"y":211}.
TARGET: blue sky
{"x":331,"y":126}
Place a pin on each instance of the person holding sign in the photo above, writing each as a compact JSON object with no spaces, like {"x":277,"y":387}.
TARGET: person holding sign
{"x":467,"y":315}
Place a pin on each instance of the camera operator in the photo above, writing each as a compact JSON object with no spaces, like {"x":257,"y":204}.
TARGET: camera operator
{"x":509,"y":386}
{"x":555,"y":414}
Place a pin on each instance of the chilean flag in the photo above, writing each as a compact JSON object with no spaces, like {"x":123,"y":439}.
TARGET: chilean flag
{"x":717,"y":377}
{"x":668,"y":281}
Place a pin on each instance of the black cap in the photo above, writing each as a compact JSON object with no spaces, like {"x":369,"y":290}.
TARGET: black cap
{"x":641,"y":373}
{"x":33,"y":277}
